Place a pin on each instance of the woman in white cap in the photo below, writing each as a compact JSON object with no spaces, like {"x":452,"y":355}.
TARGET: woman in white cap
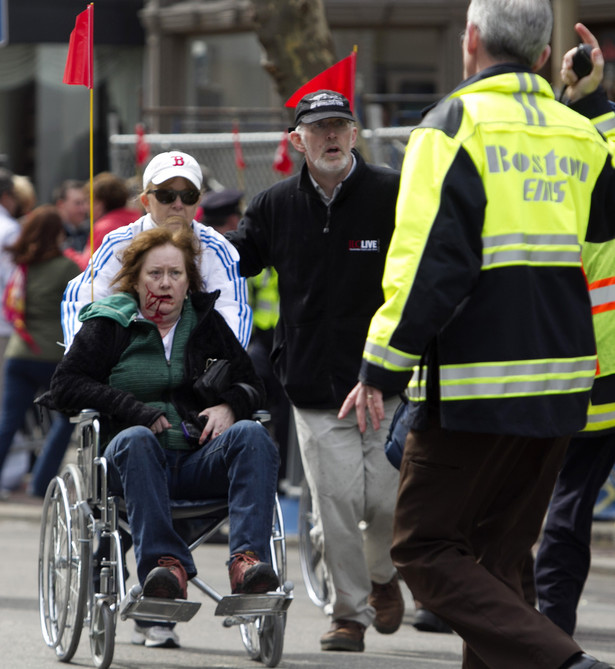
{"x":171,"y":194}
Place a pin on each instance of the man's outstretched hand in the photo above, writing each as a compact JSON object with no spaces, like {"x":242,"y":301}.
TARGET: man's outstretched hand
{"x":364,"y":397}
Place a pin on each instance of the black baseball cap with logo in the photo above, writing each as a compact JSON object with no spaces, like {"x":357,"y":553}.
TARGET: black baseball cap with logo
{"x":321,"y":105}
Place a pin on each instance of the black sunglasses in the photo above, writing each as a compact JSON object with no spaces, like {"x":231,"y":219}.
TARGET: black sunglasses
{"x":166,"y":195}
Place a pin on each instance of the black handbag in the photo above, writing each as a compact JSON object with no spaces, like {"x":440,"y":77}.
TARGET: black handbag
{"x":214,"y":380}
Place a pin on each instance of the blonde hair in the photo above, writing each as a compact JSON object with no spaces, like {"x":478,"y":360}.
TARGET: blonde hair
{"x":25,"y":194}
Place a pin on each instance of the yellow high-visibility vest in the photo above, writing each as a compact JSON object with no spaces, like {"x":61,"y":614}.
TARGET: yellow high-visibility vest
{"x":483,"y":281}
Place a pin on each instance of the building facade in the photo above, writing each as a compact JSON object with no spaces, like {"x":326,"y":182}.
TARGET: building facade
{"x":44,"y":124}
{"x":195,"y":66}
{"x":204,"y":54}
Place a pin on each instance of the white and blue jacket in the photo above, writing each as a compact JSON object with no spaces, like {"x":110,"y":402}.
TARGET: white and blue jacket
{"x":219,"y":267}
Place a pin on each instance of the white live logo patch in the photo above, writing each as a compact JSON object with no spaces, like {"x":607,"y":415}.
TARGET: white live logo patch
{"x":364,"y":245}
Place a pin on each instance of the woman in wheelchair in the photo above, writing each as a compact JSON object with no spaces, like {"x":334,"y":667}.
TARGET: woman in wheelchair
{"x":175,"y":431}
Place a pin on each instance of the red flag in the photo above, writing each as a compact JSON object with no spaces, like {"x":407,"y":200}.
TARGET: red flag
{"x":282,"y":162}
{"x":79,"y":68}
{"x":142,"y":147}
{"x":339,"y":77}
{"x":239,"y":161}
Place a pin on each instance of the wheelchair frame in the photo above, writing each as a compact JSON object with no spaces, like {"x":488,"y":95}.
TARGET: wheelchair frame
{"x":310,"y":553}
{"x":79,"y":514}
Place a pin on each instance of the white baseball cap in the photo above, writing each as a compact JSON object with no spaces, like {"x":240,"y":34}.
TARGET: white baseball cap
{"x":172,"y":164}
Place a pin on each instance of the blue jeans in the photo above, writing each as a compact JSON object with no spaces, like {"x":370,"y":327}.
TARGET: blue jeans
{"x":241,"y":464}
{"x":23,"y":378}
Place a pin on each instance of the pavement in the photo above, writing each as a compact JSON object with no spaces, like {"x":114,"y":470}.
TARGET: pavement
{"x":20,"y":519}
{"x":20,"y":506}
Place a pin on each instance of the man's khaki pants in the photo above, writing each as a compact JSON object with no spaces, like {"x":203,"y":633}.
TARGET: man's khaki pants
{"x":350,"y":480}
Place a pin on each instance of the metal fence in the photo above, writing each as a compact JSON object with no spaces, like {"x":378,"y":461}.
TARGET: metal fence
{"x":216,"y":153}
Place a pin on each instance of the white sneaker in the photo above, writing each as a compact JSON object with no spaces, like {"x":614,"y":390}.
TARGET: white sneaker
{"x":158,"y":636}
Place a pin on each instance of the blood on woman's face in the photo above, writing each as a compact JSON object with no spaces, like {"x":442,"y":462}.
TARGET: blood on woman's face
{"x":162,"y":284}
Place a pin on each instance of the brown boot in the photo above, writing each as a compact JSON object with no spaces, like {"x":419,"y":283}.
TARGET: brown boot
{"x":250,"y":576}
{"x":388,"y":601}
{"x":344,"y":635}
{"x":167,"y":580}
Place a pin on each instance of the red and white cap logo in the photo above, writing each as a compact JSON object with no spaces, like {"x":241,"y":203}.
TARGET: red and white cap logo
{"x":172,"y":164}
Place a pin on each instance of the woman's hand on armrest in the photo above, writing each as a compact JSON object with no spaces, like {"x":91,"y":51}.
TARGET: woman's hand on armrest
{"x":219,"y":418}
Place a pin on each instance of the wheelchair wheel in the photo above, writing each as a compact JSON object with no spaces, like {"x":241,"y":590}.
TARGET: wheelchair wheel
{"x":272,"y":639}
{"x":263,"y":638}
{"x":63,"y":564}
{"x":249,"y":636}
{"x":102,"y":634}
{"x":277,"y":543}
{"x":310,"y":555}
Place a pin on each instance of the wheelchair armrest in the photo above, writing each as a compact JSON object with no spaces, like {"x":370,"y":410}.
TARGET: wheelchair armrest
{"x":85,"y":416}
{"x":261,"y":415}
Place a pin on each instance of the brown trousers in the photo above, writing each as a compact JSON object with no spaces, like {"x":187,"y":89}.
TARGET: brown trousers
{"x":469,"y":509}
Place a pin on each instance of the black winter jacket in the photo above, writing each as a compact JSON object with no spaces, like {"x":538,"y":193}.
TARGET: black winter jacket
{"x":81,"y":378}
{"x":330,"y":261}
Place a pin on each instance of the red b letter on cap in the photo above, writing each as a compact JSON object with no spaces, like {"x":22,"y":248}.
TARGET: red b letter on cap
{"x":178,"y":161}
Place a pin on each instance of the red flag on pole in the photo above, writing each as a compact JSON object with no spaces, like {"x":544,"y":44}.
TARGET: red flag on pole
{"x":282,"y":162}
{"x":142,"y":147}
{"x":339,"y":77}
{"x":79,"y":68}
{"x":239,"y":161}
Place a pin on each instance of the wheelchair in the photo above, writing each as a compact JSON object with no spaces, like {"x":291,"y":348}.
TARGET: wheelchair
{"x":81,"y":571}
{"x":310,"y":553}
{"x":313,"y":569}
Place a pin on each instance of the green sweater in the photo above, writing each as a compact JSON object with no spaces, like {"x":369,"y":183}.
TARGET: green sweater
{"x":143,"y":369}
{"x":45,"y":286}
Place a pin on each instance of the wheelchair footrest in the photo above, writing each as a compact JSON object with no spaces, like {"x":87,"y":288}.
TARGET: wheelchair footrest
{"x":157,"y":609}
{"x":253,"y":605}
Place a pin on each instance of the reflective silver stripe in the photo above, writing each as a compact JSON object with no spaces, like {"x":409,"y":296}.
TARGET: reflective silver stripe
{"x":606,"y":125}
{"x":525,"y":368}
{"x":536,"y":240}
{"x":602,"y":295}
{"x":516,"y":388}
{"x":416,"y":391}
{"x":520,"y":98}
{"x":593,"y":418}
{"x":266,"y":305}
{"x":528,"y":84}
{"x":390,"y":357}
{"x":529,"y":256}
{"x":541,"y":249}
{"x":519,"y":378}
{"x":414,"y":395}
{"x":542,"y":120}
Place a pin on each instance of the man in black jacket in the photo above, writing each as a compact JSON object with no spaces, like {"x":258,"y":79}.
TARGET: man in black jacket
{"x":326,"y":231}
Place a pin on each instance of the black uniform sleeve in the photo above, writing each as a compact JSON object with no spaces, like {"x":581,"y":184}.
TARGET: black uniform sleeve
{"x":251,"y":239}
